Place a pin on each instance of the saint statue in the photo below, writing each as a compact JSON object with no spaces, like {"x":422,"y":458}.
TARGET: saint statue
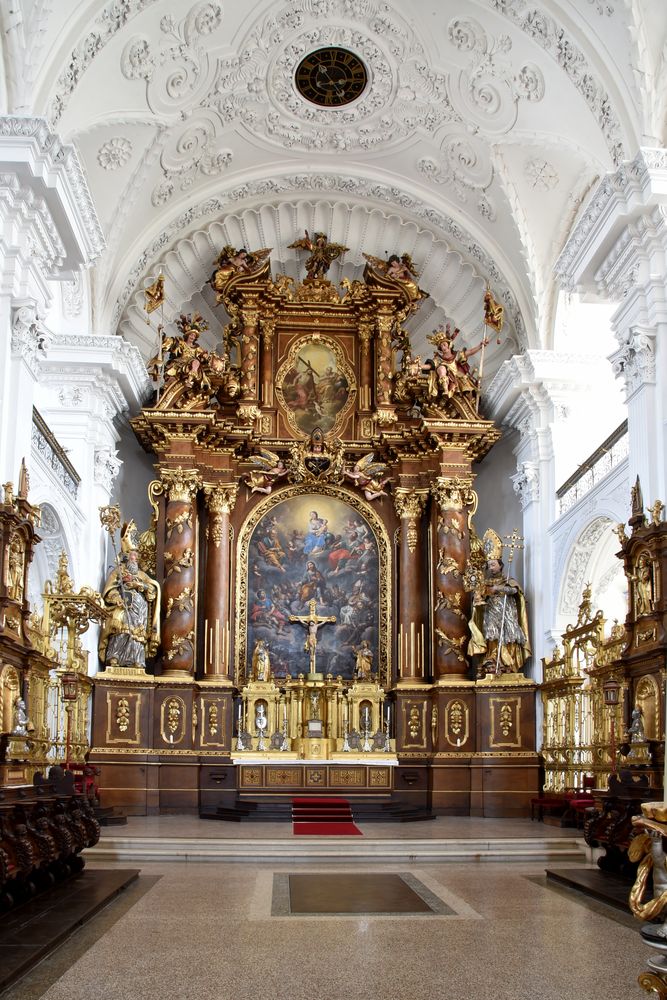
{"x":132,"y":630}
{"x":21,"y":722}
{"x":261,"y":662}
{"x":16,"y":562}
{"x":499,"y":623}
{"x":364,"y":661}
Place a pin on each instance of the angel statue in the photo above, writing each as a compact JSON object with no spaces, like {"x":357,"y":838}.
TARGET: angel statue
{"x":369,"y":476}
{"x":269,"y":469}
{"x":399,"y":269}
{"x":322,"y":253}
{"x":232,"y":261}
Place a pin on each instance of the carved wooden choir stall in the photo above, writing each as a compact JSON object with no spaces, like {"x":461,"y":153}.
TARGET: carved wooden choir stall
{"x":314,"y":561}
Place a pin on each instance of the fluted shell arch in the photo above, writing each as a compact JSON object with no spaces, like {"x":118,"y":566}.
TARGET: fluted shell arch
{"x":455,"y":276}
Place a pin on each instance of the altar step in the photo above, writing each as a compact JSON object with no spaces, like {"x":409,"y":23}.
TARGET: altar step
{"x":294,"y":850}
{"x":268,"y":810}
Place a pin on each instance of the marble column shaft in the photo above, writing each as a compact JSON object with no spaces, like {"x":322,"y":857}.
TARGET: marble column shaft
{"x":220,"y":500}
{"x":412,"y":578}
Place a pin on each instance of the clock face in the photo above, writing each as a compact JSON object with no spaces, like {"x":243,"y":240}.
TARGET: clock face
{"x":331,"y":77}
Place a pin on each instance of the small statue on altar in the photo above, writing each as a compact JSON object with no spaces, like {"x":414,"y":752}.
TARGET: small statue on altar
{"x":22,"y":724}
{"x":261,"y":662}
{"x":16,"y":566}
{"x":499,"y":622}
{"x":322,"y":253}
{"x":636,"y":730}
{"x":132,"y":630}
{"x":451,"y":373}
{"x":399,"y":268}
{"x":364,"y":661}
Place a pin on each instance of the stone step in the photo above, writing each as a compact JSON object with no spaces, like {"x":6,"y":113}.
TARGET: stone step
{"x":290,"y":849}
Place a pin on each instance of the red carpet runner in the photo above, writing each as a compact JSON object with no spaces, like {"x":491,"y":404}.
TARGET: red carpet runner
{"x":323,"y":818}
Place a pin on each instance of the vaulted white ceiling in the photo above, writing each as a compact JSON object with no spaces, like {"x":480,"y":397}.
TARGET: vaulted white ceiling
{"x":483,"y":126}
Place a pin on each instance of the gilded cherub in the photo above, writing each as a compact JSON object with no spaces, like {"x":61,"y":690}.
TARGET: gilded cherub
{"x":269,"y":469}
{"x":322,"y":253}
{"x":369,"y":476}
{"x":232,"y":261}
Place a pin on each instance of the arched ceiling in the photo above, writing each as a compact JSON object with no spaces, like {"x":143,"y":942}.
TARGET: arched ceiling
{"x":481,"y":130}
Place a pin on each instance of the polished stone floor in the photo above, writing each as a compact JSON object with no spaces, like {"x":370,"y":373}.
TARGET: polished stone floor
{"x":213,"y":932}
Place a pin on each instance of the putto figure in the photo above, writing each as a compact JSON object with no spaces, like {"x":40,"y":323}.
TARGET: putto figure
{"x":132,"y":630}
{"x":269,"y":468}
{"x":232,"y":261}
{"x":369,"y":476}
{"x":322,"y":253}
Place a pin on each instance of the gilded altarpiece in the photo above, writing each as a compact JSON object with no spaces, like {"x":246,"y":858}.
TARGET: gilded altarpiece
{"x":313,"y":509}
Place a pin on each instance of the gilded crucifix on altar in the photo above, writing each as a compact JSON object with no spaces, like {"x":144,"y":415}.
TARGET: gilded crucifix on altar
{"x":312,"y":622}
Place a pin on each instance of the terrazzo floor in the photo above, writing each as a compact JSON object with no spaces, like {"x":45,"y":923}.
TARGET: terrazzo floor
{"x":213,"y":932}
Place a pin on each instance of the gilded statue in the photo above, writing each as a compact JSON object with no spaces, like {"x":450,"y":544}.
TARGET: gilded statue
{"x":269,"y":468}
{"x":363,"y":661}
{"x":16,"y":562}
{"x":399,"y":268}
{"x":184,"y":364}
{"x":231,"y":262}
{"x":644,"y":585}
{"x":132,"y":630}
{"x":449,"y":371}
{"x":499,"y":622}
{"x":261,"y":662}
{"x":322,"y":253}
{"x":369,"y":476}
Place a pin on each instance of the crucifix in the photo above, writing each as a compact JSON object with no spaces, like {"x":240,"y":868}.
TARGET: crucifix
{"x":312,"y":622}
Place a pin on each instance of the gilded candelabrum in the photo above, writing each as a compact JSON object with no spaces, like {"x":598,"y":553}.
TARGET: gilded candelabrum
{"x":647,"y":847}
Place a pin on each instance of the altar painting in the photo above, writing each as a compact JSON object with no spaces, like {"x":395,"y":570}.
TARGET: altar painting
{"x":315,"y":386}
{"x":313,"y":547}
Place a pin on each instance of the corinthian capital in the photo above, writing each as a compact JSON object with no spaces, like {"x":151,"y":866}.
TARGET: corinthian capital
{"x":181,"y":484}
{"x":634,"y":361}
{"x":221,"y":498}
{"x":410,"y":503}
{"x":454,"y":494}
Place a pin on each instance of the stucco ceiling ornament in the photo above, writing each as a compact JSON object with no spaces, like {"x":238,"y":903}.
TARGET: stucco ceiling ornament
{"x":487,"y":92}
{"x":555,"y":40}
{"x":114,"y":153}
{"x":540,"y":174}
{"x":109,"y":21}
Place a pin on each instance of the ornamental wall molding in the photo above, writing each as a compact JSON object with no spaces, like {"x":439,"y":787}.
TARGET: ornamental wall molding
{"x":578,"y":564}
{"x":554,"y":38}
{"x":526,"y":483}
{"x":29,"y":339}
{"x":72,"y":293}
{"x":347,"y":187}
{"x":106,"y":467}
{"x":27,"y":225}
{"x":30,"y":142}
{"x":562,"y":375}
{"x":635,"y":256}
{"x":114,"y":153}
{"x":619,"y":195}
{"x":635,"y":361}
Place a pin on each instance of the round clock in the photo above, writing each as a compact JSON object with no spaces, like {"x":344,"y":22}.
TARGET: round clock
{"x":331,"y":77}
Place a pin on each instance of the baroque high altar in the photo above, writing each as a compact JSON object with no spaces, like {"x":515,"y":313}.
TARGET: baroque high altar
{"x":314,"y":544}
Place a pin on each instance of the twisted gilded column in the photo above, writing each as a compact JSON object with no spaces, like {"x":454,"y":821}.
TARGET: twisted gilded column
{"x":179,"y":589}
{"x":454,"y":500}
{"x":220,"y":501}
{"x":411,"y":584}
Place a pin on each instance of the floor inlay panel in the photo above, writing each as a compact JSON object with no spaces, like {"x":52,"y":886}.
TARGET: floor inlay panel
{"x":353,"y":893}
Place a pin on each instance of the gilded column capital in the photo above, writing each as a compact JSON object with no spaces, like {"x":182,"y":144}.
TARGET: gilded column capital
{"x":410,"y":507}
{"x":221,"y":497}
{"x":220,"y":500}
{"x":180,"y":484}
{"x":410,"y":503}
{"x":454,"y":494}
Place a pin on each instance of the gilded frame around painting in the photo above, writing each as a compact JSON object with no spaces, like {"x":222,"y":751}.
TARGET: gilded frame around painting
{"x":384,"y":570}
{"x":319,"y":347}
